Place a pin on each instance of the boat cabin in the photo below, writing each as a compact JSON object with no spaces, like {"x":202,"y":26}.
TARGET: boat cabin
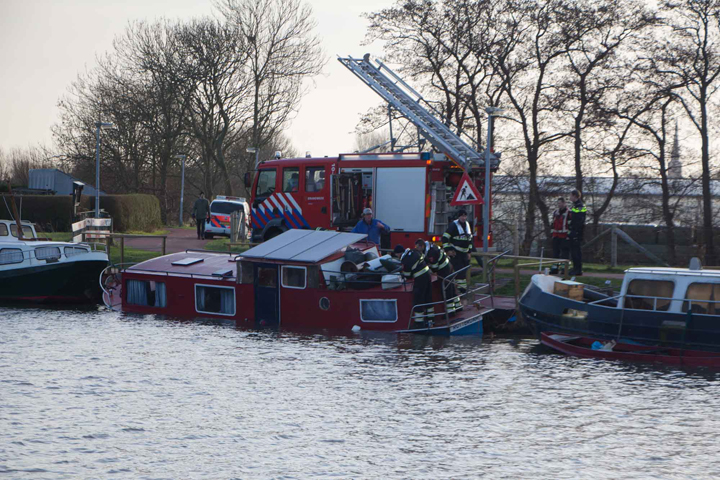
{"x":9,"y":231}
{"x":672,"y":290}
{"x":299,"y":279}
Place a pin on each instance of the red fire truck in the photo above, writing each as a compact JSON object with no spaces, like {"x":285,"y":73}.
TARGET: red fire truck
{"x":410,"y":192}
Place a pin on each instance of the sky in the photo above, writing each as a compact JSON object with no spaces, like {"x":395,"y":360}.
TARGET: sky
{"x":47,"y":43}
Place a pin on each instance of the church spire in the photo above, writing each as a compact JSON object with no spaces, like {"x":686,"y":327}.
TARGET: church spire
{"x":675,"y":167}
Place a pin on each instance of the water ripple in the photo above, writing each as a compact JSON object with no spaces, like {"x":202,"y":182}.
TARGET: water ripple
{"x":93,"y":394}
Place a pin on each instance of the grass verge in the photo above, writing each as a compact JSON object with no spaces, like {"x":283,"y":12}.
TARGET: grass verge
{"x":221,"y":245}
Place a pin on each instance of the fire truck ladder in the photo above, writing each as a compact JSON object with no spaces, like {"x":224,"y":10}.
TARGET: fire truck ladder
{"x":404,"y":99}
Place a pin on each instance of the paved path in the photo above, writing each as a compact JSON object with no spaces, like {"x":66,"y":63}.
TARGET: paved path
{"x":178,"y":240}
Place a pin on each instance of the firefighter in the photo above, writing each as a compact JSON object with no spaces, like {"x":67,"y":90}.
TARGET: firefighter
{"x":459,"y":235}
{"x":414,"y":267}
{"x":559,"y":232}
{"x":439,"y":263}
{"x":576,"y":230}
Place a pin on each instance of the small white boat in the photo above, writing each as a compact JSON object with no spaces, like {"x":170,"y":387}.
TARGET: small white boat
{"x":40,"y":270}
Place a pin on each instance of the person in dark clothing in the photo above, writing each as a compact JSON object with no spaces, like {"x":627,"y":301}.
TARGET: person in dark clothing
{"x":439,"y":263}
{"x":414,"y":267}
{"x":201,"y":211}
{"x":576,"y":227}
{"x":459,"y":235}
{"x":559,"y":232}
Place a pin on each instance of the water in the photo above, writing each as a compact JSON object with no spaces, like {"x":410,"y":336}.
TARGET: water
{"x":101,"y":395}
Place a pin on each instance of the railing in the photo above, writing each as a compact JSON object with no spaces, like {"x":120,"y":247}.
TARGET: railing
{"x":123,"y":236}
{"x":342,"y":278}
{"x":450,"y":279}
{"x":621,"y":301}
{"x":490,"y":260}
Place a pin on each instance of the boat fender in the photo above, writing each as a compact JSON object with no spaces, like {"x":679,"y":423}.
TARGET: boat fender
{"x":356,"y":328}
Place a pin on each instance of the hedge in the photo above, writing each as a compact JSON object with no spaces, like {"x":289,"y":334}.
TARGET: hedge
{"x":52,"y":212}
{"x":132,"y":212}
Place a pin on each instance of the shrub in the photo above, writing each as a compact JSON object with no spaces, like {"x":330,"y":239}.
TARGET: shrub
{"x":132,"y":212}
{"x":52,"y":212}
{"x":49,"y":212}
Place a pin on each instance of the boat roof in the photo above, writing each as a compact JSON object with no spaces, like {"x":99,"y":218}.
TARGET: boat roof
{"x":307,"y":246}
{"x":189,"y":262}
{"x":673,"y":271}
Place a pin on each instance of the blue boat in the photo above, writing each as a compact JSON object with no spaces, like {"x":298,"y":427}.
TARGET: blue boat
{"x":674,"y":307}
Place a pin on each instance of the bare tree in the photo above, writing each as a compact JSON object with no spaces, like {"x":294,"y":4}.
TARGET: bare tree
{"x":282,"y":53}
{"x":216,"y":57}
{"x":535,"y":46}
{"x":690,"y":55}
{"x":596,"y":33}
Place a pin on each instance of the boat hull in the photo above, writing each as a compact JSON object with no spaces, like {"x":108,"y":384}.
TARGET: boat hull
{"x":465,"y":325}
{"x":548,"y":312}
{"x":582,"y":347}
{"x":62,"y":282}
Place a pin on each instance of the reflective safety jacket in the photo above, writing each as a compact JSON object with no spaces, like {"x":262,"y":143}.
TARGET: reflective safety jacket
{"x":459,"y":236}
{"x":436,"y":258}
{"x":413,"y":264}
{"x":560,"y":223}
{"x":578,"y":212}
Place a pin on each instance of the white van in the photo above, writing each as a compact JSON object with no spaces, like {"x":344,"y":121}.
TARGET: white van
{"x":218,"y":223}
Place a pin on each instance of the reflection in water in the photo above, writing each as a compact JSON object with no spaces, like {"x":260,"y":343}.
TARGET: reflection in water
{"x":96,"y":394}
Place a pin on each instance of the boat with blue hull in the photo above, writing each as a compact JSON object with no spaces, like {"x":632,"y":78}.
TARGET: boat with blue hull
{"x":674,"y":307}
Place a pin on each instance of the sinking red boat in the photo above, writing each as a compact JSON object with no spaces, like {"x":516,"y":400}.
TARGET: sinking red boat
{"x":299,"y":279}
{"x":612,"y":350}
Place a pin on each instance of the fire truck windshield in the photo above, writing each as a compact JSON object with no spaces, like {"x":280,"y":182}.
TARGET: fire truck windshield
{"x":265,"y":183}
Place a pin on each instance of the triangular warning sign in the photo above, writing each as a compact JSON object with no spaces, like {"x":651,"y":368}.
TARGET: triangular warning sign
{"x":466,"y":193}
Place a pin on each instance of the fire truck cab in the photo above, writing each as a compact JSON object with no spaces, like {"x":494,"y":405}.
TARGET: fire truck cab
{"x":410,"y":192}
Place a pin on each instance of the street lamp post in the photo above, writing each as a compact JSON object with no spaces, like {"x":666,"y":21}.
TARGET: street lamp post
{"x":492,"y":112}
{"x":98,"y":126}
{"x":256,"y":151}
{"x":182,"y":187}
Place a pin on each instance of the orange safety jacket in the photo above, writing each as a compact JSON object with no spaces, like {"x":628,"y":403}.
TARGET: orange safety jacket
{"x":560,"y":224}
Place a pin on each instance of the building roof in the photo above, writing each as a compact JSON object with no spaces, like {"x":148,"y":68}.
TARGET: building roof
{"x":309,"y":246}
{"x":557,"y":185}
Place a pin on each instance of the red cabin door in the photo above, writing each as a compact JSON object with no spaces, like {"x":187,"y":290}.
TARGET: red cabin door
{"x":316,"y":196}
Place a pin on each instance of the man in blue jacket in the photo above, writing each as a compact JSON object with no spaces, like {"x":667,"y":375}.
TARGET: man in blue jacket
{"x":371,"y":226}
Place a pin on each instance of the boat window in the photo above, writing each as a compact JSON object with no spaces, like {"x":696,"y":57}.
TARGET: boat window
{"x":314,"y":179}
{"x":294,"y":277}
{"x":225,"y":208}
{"x":267,"y":277}
{"x":265,"y":183}
{"x":3,"y":230}
{"x":10,"y":255}
{"x":649,"y":294}
{"x":704,"y":297}
{"x":47,"y":253}
{"x":291,"y":179}
{"x":378,"y":311}
{"x":146,"y":293}
{"x":27,"y":231}
{"x":70,"y":251}
{"x":218,"y":300}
